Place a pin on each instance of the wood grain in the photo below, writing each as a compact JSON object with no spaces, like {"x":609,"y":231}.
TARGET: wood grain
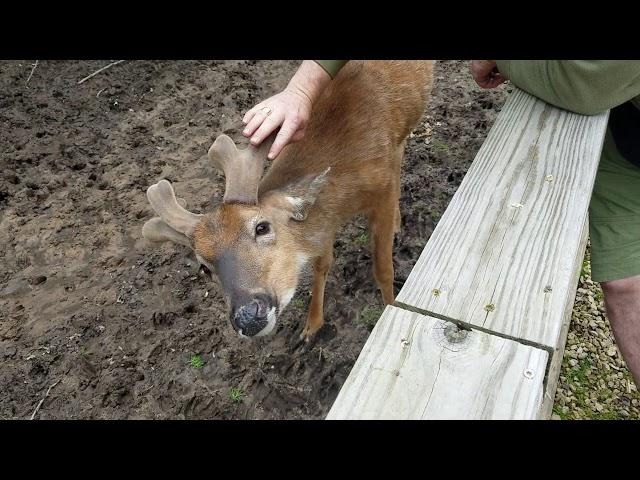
{"x":555,"y":361}
{"x":417,"y":367}
{"x":504,"y":254}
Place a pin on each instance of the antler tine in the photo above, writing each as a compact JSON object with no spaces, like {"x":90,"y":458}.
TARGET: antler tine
{"x":163,"y":200}
{"x":156,"y":230}
{"x":242,"y":168}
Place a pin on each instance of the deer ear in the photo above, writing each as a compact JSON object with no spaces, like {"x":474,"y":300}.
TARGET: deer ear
{"x":302,"y":195}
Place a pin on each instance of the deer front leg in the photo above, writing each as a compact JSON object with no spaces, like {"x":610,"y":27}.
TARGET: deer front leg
{"x":315,"y":320}
{"x":382,"y":223}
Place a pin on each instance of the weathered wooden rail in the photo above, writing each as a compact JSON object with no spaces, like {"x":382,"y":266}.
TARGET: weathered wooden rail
{"x":479,"y":327}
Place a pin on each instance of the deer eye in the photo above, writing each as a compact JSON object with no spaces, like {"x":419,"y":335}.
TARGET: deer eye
{"x":263,"y":228}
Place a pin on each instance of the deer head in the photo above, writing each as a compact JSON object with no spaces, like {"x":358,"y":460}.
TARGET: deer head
{"x":255,"y":246}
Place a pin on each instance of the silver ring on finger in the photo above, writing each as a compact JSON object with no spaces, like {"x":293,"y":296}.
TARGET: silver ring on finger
{"x":266,"y":111}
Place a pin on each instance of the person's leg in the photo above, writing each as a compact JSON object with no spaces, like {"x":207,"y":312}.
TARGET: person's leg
{"x":622,"y":301}
{"x":614,"y":228}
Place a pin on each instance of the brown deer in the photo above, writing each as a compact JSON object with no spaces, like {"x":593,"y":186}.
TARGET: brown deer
{"x":264,"y":232}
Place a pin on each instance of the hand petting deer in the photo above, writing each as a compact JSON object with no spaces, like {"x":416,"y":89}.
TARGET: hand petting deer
{"x":258,"y":240}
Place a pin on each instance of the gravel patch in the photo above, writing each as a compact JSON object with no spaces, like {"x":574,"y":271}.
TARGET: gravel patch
{"x":594,"y":380}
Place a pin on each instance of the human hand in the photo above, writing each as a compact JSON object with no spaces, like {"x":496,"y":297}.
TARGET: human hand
{"x":289,"y":110}
{"x":486,"y":74}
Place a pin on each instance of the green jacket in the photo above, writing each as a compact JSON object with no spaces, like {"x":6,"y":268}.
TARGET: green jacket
{"x":587,"y":87}
{"x":332,"y":67}
{"x":582,"y":86}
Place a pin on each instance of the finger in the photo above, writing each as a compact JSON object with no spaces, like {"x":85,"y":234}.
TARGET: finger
{"x":269,"y":124}
{"x":480,"y":79}
{"x":284,"y":137}
{"x":500,"y":78}
{"x":483,"y":82}
{"x":299,"y":135}
{"x":496,"y":80}
{"x":254,"y":124}
{"x":249,"y":115}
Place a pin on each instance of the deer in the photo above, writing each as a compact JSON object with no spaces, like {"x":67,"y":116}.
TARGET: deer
{"x":268,"y":229}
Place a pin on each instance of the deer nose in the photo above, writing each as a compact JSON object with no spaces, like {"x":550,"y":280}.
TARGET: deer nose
{"x":251,"y":318}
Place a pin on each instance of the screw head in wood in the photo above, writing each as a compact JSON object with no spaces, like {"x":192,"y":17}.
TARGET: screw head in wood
{"x":548,"y":178}
{"x":528,"y":373}
{"x":435,"y":292}
{"x":490,"y":307}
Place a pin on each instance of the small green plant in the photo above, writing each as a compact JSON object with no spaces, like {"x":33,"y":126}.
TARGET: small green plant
{"x":440,"y":146}
{"x":369,"y":317}
{"x":606,"y":415}
{"x":362,"y":239}
{"x":599,"y":296}
{"x":196,"y":361}
{"x":585,"y":268}
{"x":236,"y":394}
{"x":557,"y":409}
{"x":297,"y":303}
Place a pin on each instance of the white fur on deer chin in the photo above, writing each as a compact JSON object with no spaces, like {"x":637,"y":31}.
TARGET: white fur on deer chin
{"x":286,"y":298}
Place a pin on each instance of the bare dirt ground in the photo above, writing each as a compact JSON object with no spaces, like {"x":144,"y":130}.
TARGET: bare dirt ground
{"x":125,"y":330}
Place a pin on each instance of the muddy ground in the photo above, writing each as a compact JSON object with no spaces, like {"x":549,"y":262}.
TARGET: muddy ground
{"x":125,"y":330}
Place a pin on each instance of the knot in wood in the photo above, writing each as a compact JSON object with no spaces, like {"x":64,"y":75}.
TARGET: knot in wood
{"x":454,"y":334}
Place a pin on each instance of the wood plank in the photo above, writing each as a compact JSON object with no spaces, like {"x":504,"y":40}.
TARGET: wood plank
{"x":555,"y":363}
{"x":503,"y":256}
{"x":418,"y":367}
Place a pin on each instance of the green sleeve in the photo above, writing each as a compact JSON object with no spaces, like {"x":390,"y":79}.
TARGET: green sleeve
{"x":332,"y":67}
{"x":582,"y":86}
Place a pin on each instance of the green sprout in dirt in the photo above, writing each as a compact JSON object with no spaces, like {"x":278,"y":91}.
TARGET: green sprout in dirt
{"x":440,"y":146}
{"x":297,"y":303}
{"x":362,"y":239}
{"x":435,"y":215}
{"x":196,"y":361}
{"x":236,"y":394}
{"x":369,"y":317}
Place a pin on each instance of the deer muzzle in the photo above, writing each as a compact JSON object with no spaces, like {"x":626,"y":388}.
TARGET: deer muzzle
{"x":255,"y":318}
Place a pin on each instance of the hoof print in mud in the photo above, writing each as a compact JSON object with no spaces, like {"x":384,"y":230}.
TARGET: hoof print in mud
{"x":162,"y":319}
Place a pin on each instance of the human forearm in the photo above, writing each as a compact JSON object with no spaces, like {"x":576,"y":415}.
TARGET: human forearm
{"x":310,"y":80}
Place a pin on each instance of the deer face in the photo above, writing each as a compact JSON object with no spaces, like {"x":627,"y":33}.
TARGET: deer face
{"x":257,"y":260}
{"x":254,"y":248}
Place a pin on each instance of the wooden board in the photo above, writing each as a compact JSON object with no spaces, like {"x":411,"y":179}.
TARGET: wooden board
{"x":418,"y":367}
{"x":504,"y":254}
{"x":555,"y":362}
